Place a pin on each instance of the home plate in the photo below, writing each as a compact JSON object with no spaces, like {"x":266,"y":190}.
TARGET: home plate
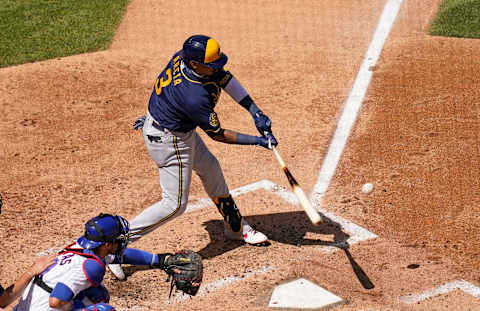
{"x":302,"y":294}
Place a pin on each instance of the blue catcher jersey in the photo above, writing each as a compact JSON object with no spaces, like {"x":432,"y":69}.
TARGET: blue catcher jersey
{"x":181,"y":100}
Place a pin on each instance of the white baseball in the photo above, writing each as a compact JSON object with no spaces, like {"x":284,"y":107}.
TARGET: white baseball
{"x":367,"y":188}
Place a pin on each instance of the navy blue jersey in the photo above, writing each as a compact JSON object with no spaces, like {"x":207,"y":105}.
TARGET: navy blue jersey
{"x":181,"y":101}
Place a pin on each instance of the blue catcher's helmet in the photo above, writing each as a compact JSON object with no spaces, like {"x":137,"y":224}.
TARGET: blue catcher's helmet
{"x":105,"y":228}
{"x":204,"y":50}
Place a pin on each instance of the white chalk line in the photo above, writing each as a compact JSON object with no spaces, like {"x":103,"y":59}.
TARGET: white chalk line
{"x":354,"y":101}
{"x":342,"y":133}
{"x":51,"y":250}
{"x":262,"y":184}
{"x":357,"y":233}
{"x":462,"y":285}
{"x":337,"y":145}
{"x":215,"y":285}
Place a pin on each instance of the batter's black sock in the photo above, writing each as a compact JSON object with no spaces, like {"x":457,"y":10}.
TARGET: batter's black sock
{"x":227,"y":207}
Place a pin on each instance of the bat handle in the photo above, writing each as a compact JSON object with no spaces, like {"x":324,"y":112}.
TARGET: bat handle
{"x":274,"y":149}
{"x":279,"y":158}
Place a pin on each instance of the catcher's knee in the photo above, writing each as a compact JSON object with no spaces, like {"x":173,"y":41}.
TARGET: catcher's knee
{"x":99,"y":307}
{"x":227,"y":207}
{"x":93,"y":295}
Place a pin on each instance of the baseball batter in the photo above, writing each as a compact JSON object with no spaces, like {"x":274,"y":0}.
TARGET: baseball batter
{"x":74,"y":280}
{"x":184,"y":98}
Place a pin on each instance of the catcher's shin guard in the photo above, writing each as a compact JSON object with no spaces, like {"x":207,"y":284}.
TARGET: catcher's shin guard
{"x":233,"y":219}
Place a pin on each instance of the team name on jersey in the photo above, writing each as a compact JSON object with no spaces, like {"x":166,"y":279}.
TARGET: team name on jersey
{"x":176,"y":76}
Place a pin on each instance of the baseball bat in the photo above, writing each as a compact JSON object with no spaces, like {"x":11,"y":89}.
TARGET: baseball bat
{"x":311,"y":212}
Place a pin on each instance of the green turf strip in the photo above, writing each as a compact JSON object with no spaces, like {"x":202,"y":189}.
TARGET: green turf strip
{"x":32,"y":30}
{"x":457,"y":18}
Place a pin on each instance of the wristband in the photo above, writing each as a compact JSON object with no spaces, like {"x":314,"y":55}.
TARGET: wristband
{"x":161,"y":260}
{"x":247,"y":103}
{"x":243,"y":139}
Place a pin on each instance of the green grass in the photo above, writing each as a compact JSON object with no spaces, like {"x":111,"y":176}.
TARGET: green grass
{"x":457,"y":18}
{"x":32,"y":30}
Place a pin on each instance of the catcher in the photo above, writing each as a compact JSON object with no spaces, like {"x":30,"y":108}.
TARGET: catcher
{"x":74,"y":280}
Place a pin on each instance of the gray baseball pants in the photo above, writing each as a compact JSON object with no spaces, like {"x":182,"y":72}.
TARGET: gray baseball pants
{"x":176,"y":154}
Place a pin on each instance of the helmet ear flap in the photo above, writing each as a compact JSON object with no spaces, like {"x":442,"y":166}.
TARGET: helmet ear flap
{"x":124,"y":225}
{"x":123,"y":236}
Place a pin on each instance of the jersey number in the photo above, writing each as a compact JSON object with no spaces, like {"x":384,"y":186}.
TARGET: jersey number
{"x":66,"y":259}
{"x":160,"y":83}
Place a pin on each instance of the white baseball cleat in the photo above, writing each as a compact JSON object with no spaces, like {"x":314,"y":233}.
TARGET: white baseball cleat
{"x":117,"y":271}
{"x":250,"y":235}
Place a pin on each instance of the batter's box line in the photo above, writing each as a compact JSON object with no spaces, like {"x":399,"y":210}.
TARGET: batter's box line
{"x":462,"y":285}
{"x":357,"y":233}
{"x":215,"y":285}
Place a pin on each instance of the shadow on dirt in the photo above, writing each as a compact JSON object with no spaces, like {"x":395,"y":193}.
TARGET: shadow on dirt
{"x":288,"y":228}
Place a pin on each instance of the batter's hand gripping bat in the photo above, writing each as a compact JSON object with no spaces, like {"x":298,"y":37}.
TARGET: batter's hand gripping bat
{"x":304,"y":202}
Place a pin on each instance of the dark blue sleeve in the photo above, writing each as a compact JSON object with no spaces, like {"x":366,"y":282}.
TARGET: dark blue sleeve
{"x":94,"y":271}
{"x":203,"y":115}
{"x":138,"y":257}
{"x":222,"y":77}
{"x":62,"y":292}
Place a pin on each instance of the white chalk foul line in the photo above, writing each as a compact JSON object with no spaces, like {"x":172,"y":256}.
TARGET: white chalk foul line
{"x":215,"y":285}
{"x":51,"y":250}
{"x":354,"y":101}
{"x":463,"y":285}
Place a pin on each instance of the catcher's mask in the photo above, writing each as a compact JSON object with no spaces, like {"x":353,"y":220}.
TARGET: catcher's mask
{"x":105,"y":228}
{"x":204,"y":50}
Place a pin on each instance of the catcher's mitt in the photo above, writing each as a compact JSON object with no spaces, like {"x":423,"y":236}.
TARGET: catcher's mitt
{"x":185,"y":269}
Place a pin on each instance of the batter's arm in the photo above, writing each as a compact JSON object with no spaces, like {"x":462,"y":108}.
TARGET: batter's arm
{"x":240,"y":95}
{"x":232,"y":137}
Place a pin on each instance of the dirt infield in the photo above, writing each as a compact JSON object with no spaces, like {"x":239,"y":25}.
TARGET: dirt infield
{"x":69,"y":152}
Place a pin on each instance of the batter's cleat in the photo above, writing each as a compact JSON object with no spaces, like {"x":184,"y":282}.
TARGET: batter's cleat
{"x":251,"y":236}
{"x":117,"y":271}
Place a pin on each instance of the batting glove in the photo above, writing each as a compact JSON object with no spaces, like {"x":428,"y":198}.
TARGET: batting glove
{"x":263,"y":123}
{"x":268,"y":141}
{"x":139,"y":122}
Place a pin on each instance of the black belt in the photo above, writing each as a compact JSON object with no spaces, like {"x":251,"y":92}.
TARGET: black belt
{"x":158,"y":126}
{"x":38,"y":281}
